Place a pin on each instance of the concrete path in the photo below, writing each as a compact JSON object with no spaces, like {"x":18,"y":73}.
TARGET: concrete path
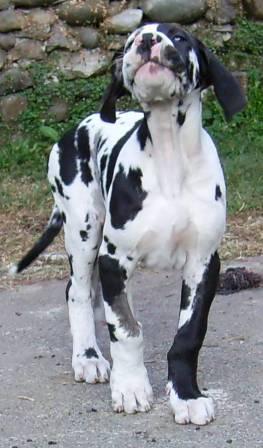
{"x":41,"y":406}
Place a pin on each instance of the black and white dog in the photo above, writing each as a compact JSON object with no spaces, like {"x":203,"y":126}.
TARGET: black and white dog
{"x":144,"y":186}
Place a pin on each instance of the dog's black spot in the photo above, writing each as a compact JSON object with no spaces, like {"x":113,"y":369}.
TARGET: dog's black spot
{"x":67,"y":157}
{"x":127,"y":197}
{"x":98,"y":142}
{"x":129,"y":258}
{"x":83,"y":143}
{"x":70,"y":259}
{"x":111,"y":248}
{"x":68,"y":288}
{"x":112,"y":330}
{"x":185,"y":294}
{"x":87,"y":217}
{"x":86,"y":175}
{"x":172,"y":31}
{"x":166,"y":29}
{"x":101,"y":143}
{"x":106,"y":239}
{"x":183,"y":355}
{"x":112,"y":276}
{"x":59,"y":187}
{"x":116,"y":151}
{"x":91,"y":353}
{"x":191,"y":71}
{"x":83,"y":235}
{"x":103,"y":162}
{"x":127,"y":47}
{"x":53,"y":188}
{"x":64,"y":217}
{"x":180,"y":118}
{"x":143,"y":133}
{"x":84,"y":155}
{"x":56,"y":221}
{"x":175,"y":59}
{"x":198,"y":81}
{"x":218,"y":193}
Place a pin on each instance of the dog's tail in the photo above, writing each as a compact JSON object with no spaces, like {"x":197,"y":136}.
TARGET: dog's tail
{"x":52,"y":230}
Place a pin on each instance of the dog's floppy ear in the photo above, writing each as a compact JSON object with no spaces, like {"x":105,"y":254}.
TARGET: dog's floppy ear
{"x":114,"y":91}
{"x":227,"y":89}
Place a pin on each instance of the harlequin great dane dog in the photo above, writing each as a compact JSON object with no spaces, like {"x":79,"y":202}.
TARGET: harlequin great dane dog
{"x":144,"y":186}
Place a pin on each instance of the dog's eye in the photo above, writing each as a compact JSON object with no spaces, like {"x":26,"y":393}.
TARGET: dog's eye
{"x":178,"y":38}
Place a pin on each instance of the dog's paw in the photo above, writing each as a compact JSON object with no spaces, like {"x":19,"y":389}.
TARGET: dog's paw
{"x":199,"y":411}
{"x":131,"y":391}
{"x":91,"y":367}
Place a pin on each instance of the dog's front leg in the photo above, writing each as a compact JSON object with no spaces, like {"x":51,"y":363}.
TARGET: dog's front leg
{"x":130,"y":387}
{"x":198,"y":290}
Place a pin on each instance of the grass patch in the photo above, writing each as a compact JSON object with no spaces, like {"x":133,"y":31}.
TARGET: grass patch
{"x":30,"y":195}
{"x":240,"y":144}
{"x":247,"y":39}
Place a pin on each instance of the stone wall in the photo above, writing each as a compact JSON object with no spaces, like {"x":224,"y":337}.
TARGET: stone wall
{"x":79,"y":37}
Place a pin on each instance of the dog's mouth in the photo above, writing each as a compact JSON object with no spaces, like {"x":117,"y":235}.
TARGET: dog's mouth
{"x":151,"y":67}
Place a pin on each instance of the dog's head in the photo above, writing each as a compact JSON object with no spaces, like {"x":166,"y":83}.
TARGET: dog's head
{"x":161,"y":62}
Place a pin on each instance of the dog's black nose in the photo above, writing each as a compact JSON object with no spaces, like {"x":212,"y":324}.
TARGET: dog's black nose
{"x":146,"y":42}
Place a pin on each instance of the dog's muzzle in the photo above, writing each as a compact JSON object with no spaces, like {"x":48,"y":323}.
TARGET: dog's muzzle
{"x":156,"y":54}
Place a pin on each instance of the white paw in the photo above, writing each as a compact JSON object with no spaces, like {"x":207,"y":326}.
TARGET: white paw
{"x":131,"y":391}
{"x":90,"y":369}
{"x":199,"y":411}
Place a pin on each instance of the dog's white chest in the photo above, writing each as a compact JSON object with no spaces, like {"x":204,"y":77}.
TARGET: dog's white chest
{"x":167,"y":231}
{"x":161,"y":208}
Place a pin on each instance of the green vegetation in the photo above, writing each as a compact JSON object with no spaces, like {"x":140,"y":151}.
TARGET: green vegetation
{"x":27,"y":155}
{"x":248,"y":39}
{"x":240,"y":145}
{"x":25,"y":146}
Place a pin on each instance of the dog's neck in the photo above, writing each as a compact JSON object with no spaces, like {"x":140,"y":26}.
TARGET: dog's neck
{"x":176,"y":124}
{"x":175,"y":138}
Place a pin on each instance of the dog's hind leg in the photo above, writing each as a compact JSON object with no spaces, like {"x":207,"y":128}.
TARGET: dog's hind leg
{"x":198,"y":290}
{"x":130,"y":387}
{"x":82,"y":241}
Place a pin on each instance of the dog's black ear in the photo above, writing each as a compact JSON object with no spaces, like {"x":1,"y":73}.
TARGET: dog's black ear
{"x":227,"y":89}
{"x":114,"y":91}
